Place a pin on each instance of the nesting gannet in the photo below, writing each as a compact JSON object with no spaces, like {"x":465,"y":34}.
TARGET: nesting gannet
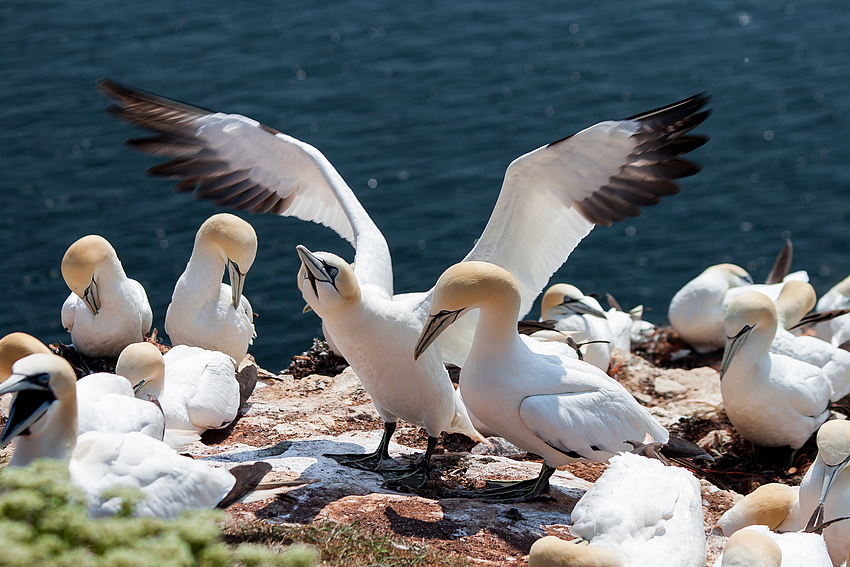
{"x":649,"y":513}
{"x":749,"y":547}
{"x":825,"y":489}
{"x":771,"y":399}
{"x":598,"y":176}
{"x":196,"y":388}
{"x":43,"y":424}
{"x":106,"y":310}
{"x":550,"y":551}
{"x":574,"y":311}
{"x":556,"y":407}
{"x":835,"y":331}
{"x":105,"y":402}
{"x":794,"y":301}
{"x":204,"y":312}
{"x":774,"y":505}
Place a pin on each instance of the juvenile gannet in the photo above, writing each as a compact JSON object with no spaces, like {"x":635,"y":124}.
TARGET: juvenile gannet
{"x":43,"y":424}
{"x":557,"y":407}
{"x":649,"y":513}
{"x":749,"y":548}
{"x":574,"y":311}
{"x":794,"y":301}
{"x":204,"y":312}
{"x":106,"y":310}
{"x":196,"y":388}
{"x":772,"y":400}
{"x":774,"y":505}
{"x":825,"y":489}
{"x":105,"y":402}
{"x":835,"y":331}
{"x":598,"y":176}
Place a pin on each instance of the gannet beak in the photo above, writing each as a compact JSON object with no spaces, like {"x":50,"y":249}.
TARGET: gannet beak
{"x":733,"y":345}
{"x":237,"y":281}
{"x":434,"y":326}
{"x":582,"y":308}
{"x":32,"y":401}
{"x":307,"y":309}
{"x":316,"y":270}
{"x":139,"y":385}
{"x":91,"y":297}
{"x":830,"y":473}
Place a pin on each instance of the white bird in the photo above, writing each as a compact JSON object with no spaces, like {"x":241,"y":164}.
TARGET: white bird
{"x":774,"y":505}
{"x":581,"y":315}
{"x":771,"y":399}
{"x":106,"y":310}
{"x":105,"y":402}
{"x":196,"y":388}
{"x":204,"y":312}
{"x":749,"y":547}
{"x":43,"y":424}
{"x":649,"y":513}
{"x":794,"y":301}
{"x":550,"y":551}
{"x":557,"y":407}
{"x":825,"y":489}
{"x":549,"y":201}
{"x":837,"y":330}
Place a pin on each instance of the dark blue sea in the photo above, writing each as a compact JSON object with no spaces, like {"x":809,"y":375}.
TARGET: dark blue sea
{"x":421,"y":106}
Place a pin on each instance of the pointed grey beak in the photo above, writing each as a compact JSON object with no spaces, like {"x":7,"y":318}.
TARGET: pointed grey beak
{"x":237,"y":281}
{"x":91,"y":297}
{"x":830,"y":473}
{"x":434,"y":327}
{"x":733,"y":345}
{"x":315,"y":268}
{"x":32,"y":401}
{"x":582,"y":308}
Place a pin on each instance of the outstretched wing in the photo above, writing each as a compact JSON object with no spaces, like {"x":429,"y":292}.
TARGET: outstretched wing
{"x":239,"y":163}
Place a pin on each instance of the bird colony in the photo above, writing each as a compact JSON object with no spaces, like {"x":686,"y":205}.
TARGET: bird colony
{"x":544,"y":386}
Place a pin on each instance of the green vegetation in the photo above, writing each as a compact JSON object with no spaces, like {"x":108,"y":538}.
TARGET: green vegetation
{"x":43,"y":521}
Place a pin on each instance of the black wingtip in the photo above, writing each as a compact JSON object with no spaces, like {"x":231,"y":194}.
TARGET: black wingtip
{"x":247,"y":479}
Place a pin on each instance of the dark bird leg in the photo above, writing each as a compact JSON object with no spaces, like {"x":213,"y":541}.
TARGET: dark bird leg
{"x":368,"y":461}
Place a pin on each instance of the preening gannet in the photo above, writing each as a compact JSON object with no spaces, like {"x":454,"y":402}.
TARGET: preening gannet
{"x":835,"y":331}
{"x":196,"y":388}
{"x":774,"y":505}
{"x":105,"y":402}
{"x":598,"y":176}
{"x":749,"y":547}
{"x":106,"y":310}
{"x":574,"y":311}
{"x":204,"y":312}
{"x":43,"y":424}
{"x":771,"y":399}
{"x":556,"y":407}
{"x":825,"y":489}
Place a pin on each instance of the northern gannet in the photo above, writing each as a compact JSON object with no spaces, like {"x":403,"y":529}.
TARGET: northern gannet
{"x":43,"y":424}
{"x":583,"y":316}
{"x":749,"y":547}
{"x":556,"y":407}
{"x":204,"y":312}
{"x":825,"y":489}
{"x":105,"y":402}
{"x":772,"y":400}
{"x":550,"y":551}
{"x":196,"y":388}
{"x":106,"y":310}
{"x":835,"y":331}
{"x":598,"y":176}
{"x":774,"y":505}
{"x":649,"y":513}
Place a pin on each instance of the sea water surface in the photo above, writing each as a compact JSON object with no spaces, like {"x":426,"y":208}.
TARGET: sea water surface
{"x":421,"y":106}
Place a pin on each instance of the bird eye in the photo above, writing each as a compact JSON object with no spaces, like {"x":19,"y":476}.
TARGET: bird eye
{"x":332,"y":272}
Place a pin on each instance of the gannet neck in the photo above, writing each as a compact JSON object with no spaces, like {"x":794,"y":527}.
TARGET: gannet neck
{"x":46,"y":403}
{"x":16,"y":346}
{"x":550,"y":551}
{"x":795,"y":300}
{"x":769,"y":505}
{"x":734,"y":275}
{"x":755,"y":311}
{"x":142,"y":364}
{"x":749,"y":548}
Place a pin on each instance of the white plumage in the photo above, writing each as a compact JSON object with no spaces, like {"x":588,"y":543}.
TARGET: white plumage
{"x":835,"y":331}
{"x":796,"y":549}
{"x":106,"y":403}
{"x":649,"y":513}
{"x":106,"y":310}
